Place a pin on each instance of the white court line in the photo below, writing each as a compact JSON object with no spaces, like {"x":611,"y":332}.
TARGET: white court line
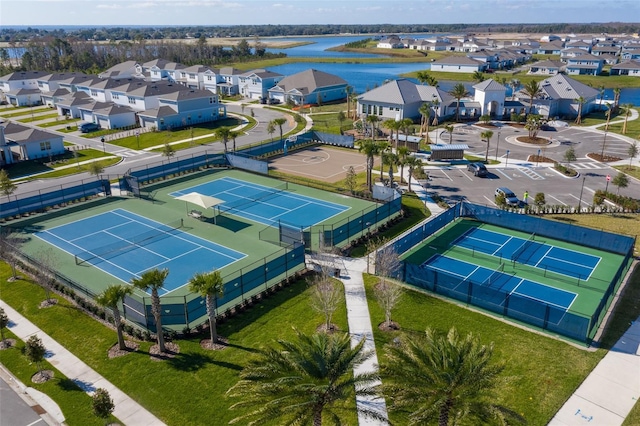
{"x":545,"y":255}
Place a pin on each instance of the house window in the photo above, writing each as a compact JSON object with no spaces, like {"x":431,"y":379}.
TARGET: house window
{"x":131,"y":100}
{"x":45,"y":146}
{"x":115,"y":96}
{"x":380,"y":110}
{"x":94,"y":92}
{"x":368,"y":109}
{"x":210,"y":100}
{"x":208,"y":78}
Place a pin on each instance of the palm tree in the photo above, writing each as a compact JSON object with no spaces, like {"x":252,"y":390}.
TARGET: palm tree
{"x":478,"y":76}
{"x":459,"y":92}
{"x":616,"y":99}
{"x":153,"y":280}
{"x":354,"y":101}
{"x":304,"y":381}
{"x":233,"y":135}
{"x":405,"y":125}
{"x":392,"y":125}
{"x":341,"y":117}
{"x":390,"y":158}
{"x":373,"y":119}
{"x":601,"y":90}
{"x":279,"y":122}
{"x":425,"y":113}
{"x":532,"y":90}
{"x":445,"y":378}
{"x":627,"y":113}
{"x":414,"y":163}
{"x":348,"y":90}
{"x":580,"y":100}
{"x":110,"y":298}
{"x":370,"y":150}
{"x":486,"y":136}
{"x":403,"y":154}
{"x":449,"y":129}
{"x":383,"y":148}
{"x":424,"y":77}
{"x":223,"y":133}
{"x":436,"y":103}
{"x":515,"y":85}
{"x":210,"y":286}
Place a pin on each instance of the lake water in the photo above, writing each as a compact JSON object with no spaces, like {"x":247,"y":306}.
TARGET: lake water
{"x":363,"y":77}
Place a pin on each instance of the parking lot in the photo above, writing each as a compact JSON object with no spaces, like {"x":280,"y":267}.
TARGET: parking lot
{"x":516,"y":173}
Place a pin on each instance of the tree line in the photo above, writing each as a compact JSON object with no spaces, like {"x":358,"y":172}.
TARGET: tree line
{"x":21,"y":34}
{"x":65,"y":55}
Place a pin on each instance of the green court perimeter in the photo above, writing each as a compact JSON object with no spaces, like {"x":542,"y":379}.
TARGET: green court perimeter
{"x":231,"y":231}
{"x":589,"y":292}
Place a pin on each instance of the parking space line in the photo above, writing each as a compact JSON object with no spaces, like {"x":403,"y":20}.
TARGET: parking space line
{"x":443,"y":172}
{"x":503,"y":174}
{"x":551,"y":196}
{"x":490,"y":200}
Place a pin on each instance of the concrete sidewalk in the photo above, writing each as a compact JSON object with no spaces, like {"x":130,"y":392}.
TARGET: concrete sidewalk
{"x":126,"y":410}
{"x":610,"y":391}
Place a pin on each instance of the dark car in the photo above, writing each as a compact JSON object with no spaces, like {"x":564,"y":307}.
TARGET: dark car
{"x":89,"y":127}
{"x":478,"y":169}
{"x":508,"y":195}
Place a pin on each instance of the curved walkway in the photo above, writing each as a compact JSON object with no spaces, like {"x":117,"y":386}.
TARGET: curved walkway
{"x":128,"y":411}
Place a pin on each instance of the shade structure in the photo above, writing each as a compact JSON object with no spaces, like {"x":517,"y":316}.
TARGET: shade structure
{"x":199,"y":199}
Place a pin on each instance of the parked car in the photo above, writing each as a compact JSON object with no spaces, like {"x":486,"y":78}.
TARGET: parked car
{"x":509,"y":196}
{"x":478,"y":169}
{"x":89,"y":127}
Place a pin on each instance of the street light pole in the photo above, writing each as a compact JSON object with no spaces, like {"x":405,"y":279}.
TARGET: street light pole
{"x":497,"y":145}
{"x":538,"y":157}
{"x":580,"y":200}
{"x":103,"y":149}
{"x":138,"y":139}
{"x":506,"y":164}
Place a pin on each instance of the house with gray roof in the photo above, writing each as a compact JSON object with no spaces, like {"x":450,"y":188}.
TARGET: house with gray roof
{"x":128,"y":69}
{"x":310,"y":87}
{"x":559,"y":96}
{"x":631,"y":67}
{"x":586,"y":64}
{"x":400,"y":99}
{"x":20,"y":143}
{"x":458,"y":64}
{"x":546,"y":67}
{"x":490,"y":96}
{"x":256,"y":84}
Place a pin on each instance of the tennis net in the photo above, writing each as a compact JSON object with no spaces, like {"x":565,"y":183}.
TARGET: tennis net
{"x":256,"y":194}
{"x":494,"y":275}
{"x":124,"y":245}
{"x":516,"y":254}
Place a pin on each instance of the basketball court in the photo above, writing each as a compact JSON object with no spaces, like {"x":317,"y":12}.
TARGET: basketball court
{"x":321,"y":163}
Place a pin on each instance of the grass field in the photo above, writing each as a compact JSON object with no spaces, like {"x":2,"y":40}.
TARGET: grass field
{"x":36,"y":166}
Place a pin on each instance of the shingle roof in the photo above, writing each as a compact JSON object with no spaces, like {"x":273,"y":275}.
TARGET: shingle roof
{"x":23,"y":75}
{"x":20,"y":134}
{"x":562,"y":87}
{"x":310,"y":80}
{"x":403,"y":91}
{"x":627,"y":65}
{"x":489,"y":85}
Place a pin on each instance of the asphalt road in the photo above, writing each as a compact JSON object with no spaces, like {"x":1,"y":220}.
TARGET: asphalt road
{"x":518,"y":174}
{"x":15,"y":411}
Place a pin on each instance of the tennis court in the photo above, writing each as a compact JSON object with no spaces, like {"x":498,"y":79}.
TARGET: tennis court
{"x":124,"y":245}
{"x":501,"y":281}
{"x":530,"y":252}
{"x":265,"y":204}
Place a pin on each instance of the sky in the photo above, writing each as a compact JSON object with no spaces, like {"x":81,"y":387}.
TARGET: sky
{"x":243,"y":12}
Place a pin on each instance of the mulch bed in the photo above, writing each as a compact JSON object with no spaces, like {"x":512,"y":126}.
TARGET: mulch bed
{"x":533,"y":141}
{"x":602,"y":158}
{"x":540,"y":159}
{"x":391,"y":326}
{"x":7,"y":343}
{"x":42,"y":376}
{"x":172,"y":350}
{"x":220,"y":344}
{"x":115,"y":351}
{"x":323,"y":328}
{"x":48,"y":303}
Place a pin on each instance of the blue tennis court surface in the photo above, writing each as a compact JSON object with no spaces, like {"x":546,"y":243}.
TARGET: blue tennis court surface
{"x":530,"y":252}
{"x":501,"y":281}
{"x":125,"y":245}
{"x":265,"y":204}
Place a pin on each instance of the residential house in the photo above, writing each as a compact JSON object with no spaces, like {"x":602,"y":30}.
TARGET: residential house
{"x":551,"y":48}
{"x":256,"y":84}
{"x":546,"y":68}
{"x":19,"y":143}
{"x":579,"y":44}
{"x":128,"y":69}
{"x":490,"y":95}
{"x":458,"y":64}
{"x":631,"y":67}
{"x":20,"y":88}
{"x":606,"y":50}
{"x":310,"y":87}
{"x":182,"y":108}
{"x":400,"y":99}
{"x":69,"y":105}
{"x":559,"y":97}
{"x":586,"y":64}
{"x":629,"y":52}
{"x":228,"y":81}
{"x":573,"y":52}
{"x":390,"y":42}
{"x":490,"y":58}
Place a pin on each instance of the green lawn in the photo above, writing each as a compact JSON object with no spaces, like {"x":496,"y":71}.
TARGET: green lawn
{"x":60,"y":122}
{"x":73,"y":170}
{"x":188,"y":390}
{"x":11,"y":112}
{"x":36,"y":166}
{"x":631,"y":171}
{"x":74,"y":403}
{"x":38,"y":118}
{"x":329,"y":123}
